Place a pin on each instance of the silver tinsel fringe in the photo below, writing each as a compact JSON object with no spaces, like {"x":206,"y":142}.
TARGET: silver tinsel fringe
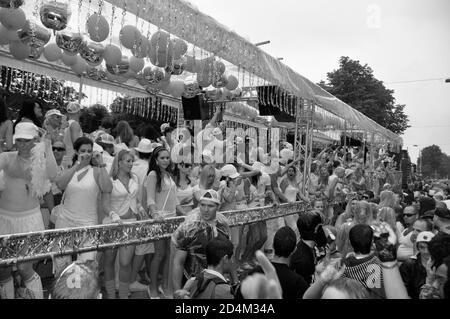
{"x":51,"y":243}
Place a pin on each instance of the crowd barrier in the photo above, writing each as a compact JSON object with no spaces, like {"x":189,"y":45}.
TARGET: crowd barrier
{"x":53,"y":243}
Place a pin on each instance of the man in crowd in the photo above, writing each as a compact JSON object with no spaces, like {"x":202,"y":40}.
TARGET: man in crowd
{"x":211,"y":283}
{"x":303,"y":260}
{"x":192,"y":236}
{"x":437,"y":284}
{"x":107,"y":142}
{"x":363,"y":265}
{"x":441,"y":220}
{"x":413,"y":271}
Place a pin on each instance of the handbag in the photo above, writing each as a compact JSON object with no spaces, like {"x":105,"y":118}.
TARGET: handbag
{"x":57,"y":210}
{"x":162,"y":212}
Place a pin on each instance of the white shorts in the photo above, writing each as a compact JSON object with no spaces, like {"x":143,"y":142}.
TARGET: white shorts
{"x":21,"y":222}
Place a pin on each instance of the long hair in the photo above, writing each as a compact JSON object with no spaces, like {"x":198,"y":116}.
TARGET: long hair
{"x":3,"y":110}
{"x":27,"y":111}
{"x":155,"y":167}
{"x":115,"y":165}
{"x":323,"y":178}
{"x":177,"y":173}
{"x":363,"y":214}
{"x":125,"y":132}
{"x":387,"y":199}
{"x":387,"y":215}
{"x":78,"y":143}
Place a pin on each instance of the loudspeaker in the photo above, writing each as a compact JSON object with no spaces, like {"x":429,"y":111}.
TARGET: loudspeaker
{"x":196,"y":108}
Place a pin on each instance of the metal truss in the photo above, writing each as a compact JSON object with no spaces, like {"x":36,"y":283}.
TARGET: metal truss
{"x":304,"y":125}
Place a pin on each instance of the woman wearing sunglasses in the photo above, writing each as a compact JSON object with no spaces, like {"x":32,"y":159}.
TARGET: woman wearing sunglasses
{"x":185,"y":190}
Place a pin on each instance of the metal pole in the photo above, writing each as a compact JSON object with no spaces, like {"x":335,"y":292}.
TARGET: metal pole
{"x":80,"y":90}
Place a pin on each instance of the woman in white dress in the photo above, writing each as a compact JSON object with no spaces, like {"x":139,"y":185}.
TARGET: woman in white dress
{"x":124,"y":202}
{"x":82,"y":184}
{"x":185,"y":187}
{"x":162,"y":203}
{"x":27,"y":174}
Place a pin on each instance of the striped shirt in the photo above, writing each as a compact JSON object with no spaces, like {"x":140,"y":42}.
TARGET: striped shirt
{"x":368,"y":272}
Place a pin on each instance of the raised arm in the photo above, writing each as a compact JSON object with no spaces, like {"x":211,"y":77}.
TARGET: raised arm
{"x":50,"y":162}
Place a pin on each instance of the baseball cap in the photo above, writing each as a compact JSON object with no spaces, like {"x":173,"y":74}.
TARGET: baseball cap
{"x":73,"y":107}
{"x":229,"y":171}
{"x":216,"y":131}
{"x":164,"y":127}
{"x":53,"y":112}
{"x":211,"y":196}
{"x":442,"y":212}
{"x":106,"y":139}
{"x":25,"y":130}
{"x":144,"y":146}
{"x":424,"y":237}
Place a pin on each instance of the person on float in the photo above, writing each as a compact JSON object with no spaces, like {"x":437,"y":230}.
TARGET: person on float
{"x":142,"y":252}
{"x":107,"y":143}
{"x":166,"y":136}
{"x":82,"y":184}
{"x":124,"y":202}
{"x":124,"y":136}
{"x":31,"y":111}
{"x":185,"y":189}
{"x":72,"y":132}
{"x":54,"y":125}
{"x":162,"y":203}
{"x":207,"y":180}
{"x":28,"y":173}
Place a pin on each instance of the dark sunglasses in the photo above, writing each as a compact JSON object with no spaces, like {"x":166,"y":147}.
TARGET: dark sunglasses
{"x":409,"y":215}
{"x":365,"y":197}
{"x":58,"y":149}
{"x":187,"y":165}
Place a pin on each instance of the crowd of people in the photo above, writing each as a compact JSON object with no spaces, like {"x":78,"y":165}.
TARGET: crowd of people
{"x":364,"y":237}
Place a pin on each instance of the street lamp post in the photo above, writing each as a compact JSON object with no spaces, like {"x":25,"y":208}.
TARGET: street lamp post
{"x":420,"y":158}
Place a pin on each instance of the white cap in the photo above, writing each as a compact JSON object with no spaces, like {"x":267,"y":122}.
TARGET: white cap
{"x":145,"y":146}
{"x":53,"y":112}
{"x":164,"y":127}
{"x":73,"y":107}
{"x":424,"y":237}
{"x":229,"y":171}
{"x":106,"y":139}
{"x":26,"y":130}
{"x":211,"y":196}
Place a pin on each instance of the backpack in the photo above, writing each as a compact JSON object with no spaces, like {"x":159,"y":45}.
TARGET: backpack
{"x":206,"y":287}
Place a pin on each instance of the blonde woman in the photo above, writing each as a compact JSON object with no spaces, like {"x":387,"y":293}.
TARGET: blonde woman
{"x":124,"y":203}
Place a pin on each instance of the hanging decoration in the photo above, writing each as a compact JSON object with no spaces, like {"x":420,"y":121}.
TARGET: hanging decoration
{"x":97,"y":27}
{"x":10,"y":3}
{"x":112,"y":54}
{"x":12,"y":19}
{"x":92,"y":52}
{"x":130,"y":36}
{"x":55,"y":14}
{"x":121,"y":68}
{"x":69,"y":41}
{"x":34,"y":35}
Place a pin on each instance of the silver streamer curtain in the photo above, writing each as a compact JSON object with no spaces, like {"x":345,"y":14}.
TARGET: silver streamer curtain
{"x":52,"y":243}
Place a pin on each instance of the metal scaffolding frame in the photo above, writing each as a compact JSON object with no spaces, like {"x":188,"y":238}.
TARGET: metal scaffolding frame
{"x":304,"y":137}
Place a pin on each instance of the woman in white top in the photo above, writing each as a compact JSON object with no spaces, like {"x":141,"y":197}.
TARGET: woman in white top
{"x":289,"y":187}
{"x":162,"y":202}
{"x":185,"y":189}
{"x":82,"y":184}
{"x":124,"y":203}
{"x":25,"y":185}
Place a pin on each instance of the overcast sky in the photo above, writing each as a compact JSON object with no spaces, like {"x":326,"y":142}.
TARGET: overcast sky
{"x":401,"y":40}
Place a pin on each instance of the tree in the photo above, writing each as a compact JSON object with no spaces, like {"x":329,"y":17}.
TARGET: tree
{"x":356,"y":85}
{"x":435,"y":163}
